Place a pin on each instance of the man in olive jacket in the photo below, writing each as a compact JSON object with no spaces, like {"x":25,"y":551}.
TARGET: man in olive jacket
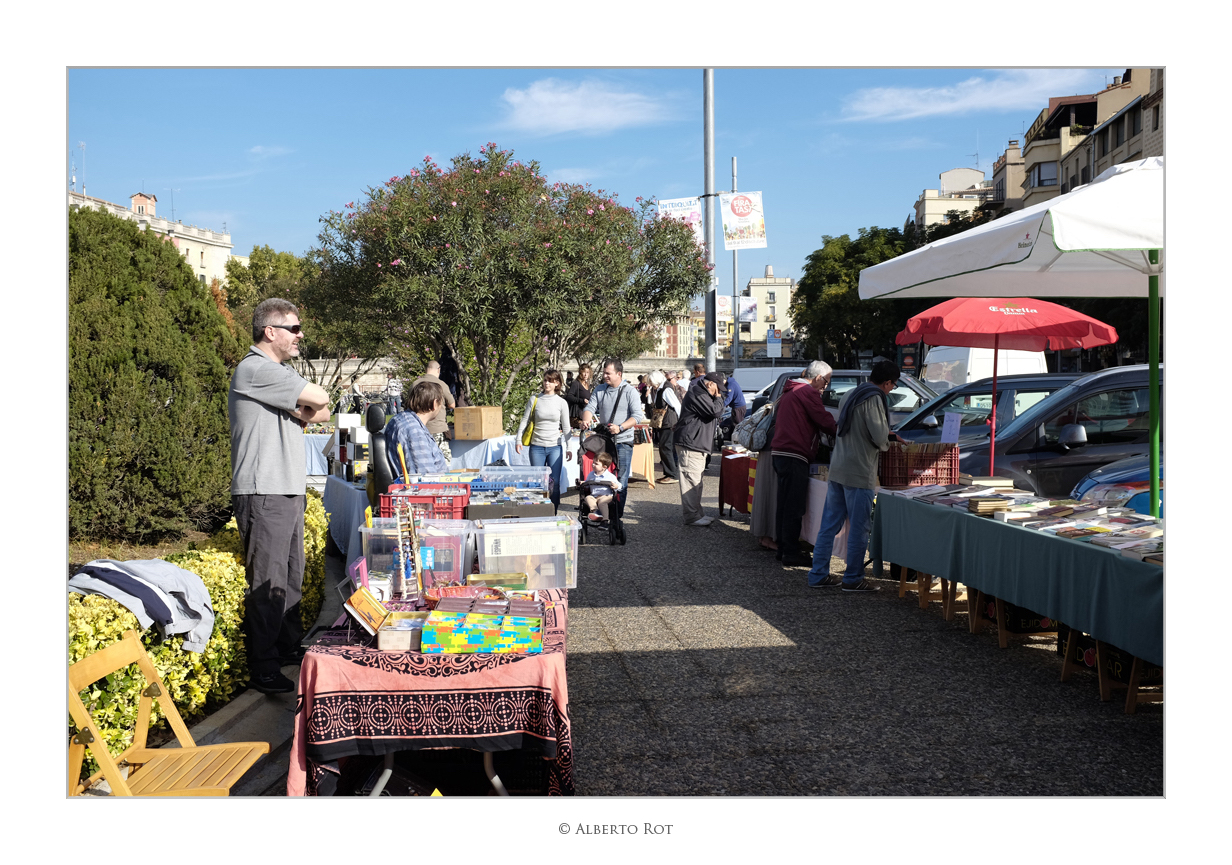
{"x":694,"y":439}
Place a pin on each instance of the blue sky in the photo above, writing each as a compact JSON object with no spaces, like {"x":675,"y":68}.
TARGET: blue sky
{"x":268,"y":151}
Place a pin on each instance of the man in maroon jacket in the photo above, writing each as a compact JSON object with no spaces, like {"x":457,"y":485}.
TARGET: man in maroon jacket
{"x":800,"y":420}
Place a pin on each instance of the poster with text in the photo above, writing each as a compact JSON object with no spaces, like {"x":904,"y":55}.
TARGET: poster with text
{"x":688,"y":210}
{"x":744,"y":221}
{"x":723,"y":307}
{"x":748,"y":309}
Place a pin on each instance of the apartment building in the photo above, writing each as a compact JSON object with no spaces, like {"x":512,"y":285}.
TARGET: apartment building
{"x":1130,"y":127}
{"x":205,"y":250}
{"x":1007,"y":177}
{"x":676,"y":340}
{"x":961,"y":189}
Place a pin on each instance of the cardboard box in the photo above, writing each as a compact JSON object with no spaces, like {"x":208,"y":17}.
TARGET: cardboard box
{"x":478,"y":422}
{"x":1116,"y":662}
{"x":459,"y":633}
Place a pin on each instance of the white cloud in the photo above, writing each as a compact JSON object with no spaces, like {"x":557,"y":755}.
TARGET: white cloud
{"x":552,"y":106}
{"x":261,"y":151}
{"x":573,"y":175}
{"x":1007,"y":90}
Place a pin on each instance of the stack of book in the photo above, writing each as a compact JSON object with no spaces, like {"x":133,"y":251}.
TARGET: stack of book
{"x":986,"y":506}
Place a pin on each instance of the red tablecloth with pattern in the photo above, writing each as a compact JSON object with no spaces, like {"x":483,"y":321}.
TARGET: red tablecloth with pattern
{"x":734,"y":487}
{"x":355,"y":700}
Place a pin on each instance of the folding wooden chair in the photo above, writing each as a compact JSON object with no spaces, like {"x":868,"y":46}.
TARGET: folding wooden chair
{"x":210,"y":770}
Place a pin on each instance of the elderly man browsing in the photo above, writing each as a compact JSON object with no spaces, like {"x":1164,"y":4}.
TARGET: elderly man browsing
{"x":863,"y":433}
{"x":694,"y":438}
{"x":800,"y":420}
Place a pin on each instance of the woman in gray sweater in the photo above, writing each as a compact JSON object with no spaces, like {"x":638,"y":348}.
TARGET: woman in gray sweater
{"x":550,"y":414}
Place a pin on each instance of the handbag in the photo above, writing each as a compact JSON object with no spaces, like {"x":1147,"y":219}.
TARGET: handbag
{"x":763,"y":433}
{"x":601,"y":439}
{"x":530,"y":427}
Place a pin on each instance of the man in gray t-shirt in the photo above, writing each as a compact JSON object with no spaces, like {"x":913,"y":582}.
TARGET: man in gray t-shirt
{"x":269,"y":405}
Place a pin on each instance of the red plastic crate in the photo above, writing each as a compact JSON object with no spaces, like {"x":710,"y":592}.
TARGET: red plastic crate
{"x":909,"y":466}
{"x":432,"y":500}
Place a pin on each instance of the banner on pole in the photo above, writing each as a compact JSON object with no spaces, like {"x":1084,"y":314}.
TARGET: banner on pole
{"x":723,"y":307}
{"x":748,"y":309}
{"x":744,"y":221}
{"x":688,"y":210}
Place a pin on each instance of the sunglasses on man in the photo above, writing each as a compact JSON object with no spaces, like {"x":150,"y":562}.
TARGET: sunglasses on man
{"x":294,"y":328}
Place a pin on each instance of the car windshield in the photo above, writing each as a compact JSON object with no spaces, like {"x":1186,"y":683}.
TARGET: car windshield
{"x":972,"y":405}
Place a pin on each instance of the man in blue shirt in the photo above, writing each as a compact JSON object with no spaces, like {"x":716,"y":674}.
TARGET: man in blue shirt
{"x":410,"y":429}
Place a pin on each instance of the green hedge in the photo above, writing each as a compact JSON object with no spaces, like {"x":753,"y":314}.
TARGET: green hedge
{"x":196,"y":681}
{"x":316,"y":525}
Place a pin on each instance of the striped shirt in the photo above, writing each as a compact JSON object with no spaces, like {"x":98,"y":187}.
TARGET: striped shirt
{"x":422,"y":453}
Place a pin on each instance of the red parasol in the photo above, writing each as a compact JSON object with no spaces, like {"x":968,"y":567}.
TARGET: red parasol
{"x":1018,"y":323}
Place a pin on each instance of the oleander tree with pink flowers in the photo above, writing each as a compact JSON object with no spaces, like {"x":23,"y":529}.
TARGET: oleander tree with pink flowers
{"x":509,"y":271}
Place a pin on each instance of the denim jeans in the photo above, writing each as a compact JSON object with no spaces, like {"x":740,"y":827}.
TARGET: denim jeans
{"x":553,"y":458}
{"x":843,"y":503}
{"x":624,"y":466}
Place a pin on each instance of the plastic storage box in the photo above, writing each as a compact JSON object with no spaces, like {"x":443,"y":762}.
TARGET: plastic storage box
{"x":446,"y":550}
{"x":522,"y":477}
{"x":543,"y":548}
{"x":442,"y":501}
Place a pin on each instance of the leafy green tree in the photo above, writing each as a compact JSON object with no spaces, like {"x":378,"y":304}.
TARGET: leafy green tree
{"x":334,"y":332}
{"x":510,"y":273}
{"x":149,"y":361}
{"x":826,"y":311}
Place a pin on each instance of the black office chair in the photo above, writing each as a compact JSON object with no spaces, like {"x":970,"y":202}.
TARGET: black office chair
{"x":383,"y":472}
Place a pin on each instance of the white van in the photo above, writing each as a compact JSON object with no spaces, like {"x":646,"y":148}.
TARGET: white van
{"x":948,"y":367}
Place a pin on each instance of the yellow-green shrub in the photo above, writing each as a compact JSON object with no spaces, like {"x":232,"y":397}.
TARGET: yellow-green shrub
{"x":196,"y":681}
{"x":316,"y":526}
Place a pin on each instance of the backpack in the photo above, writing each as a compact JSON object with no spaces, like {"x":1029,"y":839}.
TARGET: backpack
{"x":756,"y":431}
{"x":662,"y":416}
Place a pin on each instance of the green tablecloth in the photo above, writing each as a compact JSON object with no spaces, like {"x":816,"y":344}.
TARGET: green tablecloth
{"x":1113,"y":598}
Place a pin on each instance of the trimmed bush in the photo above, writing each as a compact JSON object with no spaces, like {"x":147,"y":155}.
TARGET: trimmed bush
{"x":316,"y":525}
{"x":196,"y":681}
{"x":149,"y":361}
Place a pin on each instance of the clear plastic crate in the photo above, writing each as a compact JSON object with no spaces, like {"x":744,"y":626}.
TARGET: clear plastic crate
{"x":543,"y":548}
{"x":380,"y":547}
{"x":452,"y":545}
{"x":531,"y":477}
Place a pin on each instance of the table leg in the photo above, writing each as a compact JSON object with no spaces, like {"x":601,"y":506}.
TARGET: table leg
{"x":1105,"y":681}
{"x":1071,"y":646}
{"x":490,"y":770}
{"x":379,"y":787}
{"x":1003,"y":634}
{"x":975,"y":614}
{"x":902,"y":579}
{"x":924,"y":585}
{"x":949,"y":590}
{"x":1131,"y":693}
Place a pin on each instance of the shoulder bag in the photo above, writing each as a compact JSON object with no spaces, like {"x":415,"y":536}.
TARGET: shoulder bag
{"x":530,"y":427}
{"x":601,"y":439}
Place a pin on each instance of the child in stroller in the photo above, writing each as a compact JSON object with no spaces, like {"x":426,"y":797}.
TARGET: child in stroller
{"x":597,"y":493}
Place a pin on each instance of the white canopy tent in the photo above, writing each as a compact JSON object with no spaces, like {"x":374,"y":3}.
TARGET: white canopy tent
{"x":1104,"y":239}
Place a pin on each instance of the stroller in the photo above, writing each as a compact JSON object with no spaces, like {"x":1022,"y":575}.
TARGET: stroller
{"x":611,"y":531}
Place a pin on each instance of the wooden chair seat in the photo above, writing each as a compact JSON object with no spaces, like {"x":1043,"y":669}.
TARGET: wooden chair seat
{"x":209,"y":770}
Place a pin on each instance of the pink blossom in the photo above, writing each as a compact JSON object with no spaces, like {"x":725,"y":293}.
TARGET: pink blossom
{"x":601,"y":207}
{"x":454,"y":203}
{"x":607,"y":241}
{"x":378,"y":264}
{"x":547,"y":244}
{"x":350,"y":204}
{"x":447,"y":246}
{"x":589,"y":212}
{"x":434,"y":219}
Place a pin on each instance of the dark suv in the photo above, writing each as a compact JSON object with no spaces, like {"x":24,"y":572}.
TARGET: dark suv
{"x":1096,"y":419}
{"x":973,"y":401}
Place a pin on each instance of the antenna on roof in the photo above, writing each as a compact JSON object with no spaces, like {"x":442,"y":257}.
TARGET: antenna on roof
{"x":82,"y":145}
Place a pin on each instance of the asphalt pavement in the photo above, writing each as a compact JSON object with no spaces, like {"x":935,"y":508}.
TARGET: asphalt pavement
{"x":700,"y":666}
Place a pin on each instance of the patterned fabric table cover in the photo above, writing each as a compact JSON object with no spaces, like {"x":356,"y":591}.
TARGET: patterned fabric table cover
{"x":355,"y":700}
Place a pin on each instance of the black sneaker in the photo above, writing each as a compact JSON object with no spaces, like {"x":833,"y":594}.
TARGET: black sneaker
{"x":293,"y":658}
{"x":274,"y":683}
{"x":833,"y":581}
{"x":862,"y":586}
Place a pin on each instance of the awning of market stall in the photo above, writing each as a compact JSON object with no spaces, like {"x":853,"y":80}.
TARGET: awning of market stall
{"x":1104,"y":239}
